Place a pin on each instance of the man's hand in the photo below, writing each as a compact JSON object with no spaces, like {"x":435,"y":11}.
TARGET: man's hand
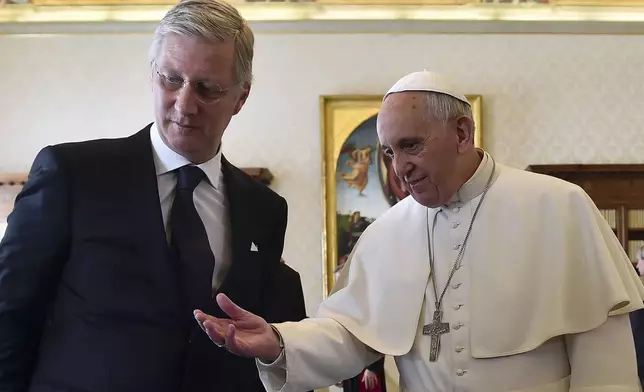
{"x":370,"y":379}
{"x":244,"y":334}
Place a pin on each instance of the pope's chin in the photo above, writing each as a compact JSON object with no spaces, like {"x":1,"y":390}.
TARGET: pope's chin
{"x":423,"y":194}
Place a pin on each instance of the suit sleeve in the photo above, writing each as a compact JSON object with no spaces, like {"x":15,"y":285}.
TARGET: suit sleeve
{"x":277,"y":231}
{"x":32,"y":254}
{"x":603,"y":359}
{"x":285,"y":296}
{"x":298,"y":310}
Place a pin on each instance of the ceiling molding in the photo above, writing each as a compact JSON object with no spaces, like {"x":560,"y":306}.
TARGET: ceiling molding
{"x":318,"y":18}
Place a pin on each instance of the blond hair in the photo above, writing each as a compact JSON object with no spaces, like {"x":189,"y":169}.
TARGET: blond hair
{"x":212,"y":20}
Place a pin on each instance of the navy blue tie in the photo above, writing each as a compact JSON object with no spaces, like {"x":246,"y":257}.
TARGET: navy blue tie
{"x":189,"y":242}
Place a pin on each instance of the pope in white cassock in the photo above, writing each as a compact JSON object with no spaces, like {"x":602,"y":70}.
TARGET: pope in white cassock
{"x":485,"y":279}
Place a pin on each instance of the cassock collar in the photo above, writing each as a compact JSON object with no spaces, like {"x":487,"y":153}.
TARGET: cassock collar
{"x":167,"y":160}
{"x":476,"y":184}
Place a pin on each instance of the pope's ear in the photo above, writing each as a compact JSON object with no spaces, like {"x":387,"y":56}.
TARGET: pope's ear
{"x":465,"y":132}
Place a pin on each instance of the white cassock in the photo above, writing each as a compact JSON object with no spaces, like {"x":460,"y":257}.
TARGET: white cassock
{"x":540,"y":303}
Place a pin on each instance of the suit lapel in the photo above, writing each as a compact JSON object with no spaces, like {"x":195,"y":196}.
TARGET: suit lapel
{"x":144,"y":190}
{"x":138,"y":188}
{"x":243,"y":282}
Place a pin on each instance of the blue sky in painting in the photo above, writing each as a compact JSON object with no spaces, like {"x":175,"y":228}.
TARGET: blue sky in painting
{"x":373,"y":202}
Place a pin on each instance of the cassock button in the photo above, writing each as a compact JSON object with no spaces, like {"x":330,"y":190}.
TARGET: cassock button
{"x":457,"y":209}
{"x":456,"y":285}
{"x":460,"y":372}
{"x":459,"y":349}
{"x":457,"y":306}
{"x":455,"y":225}
{"x":457,"y":246}
{"x":457,"y":326}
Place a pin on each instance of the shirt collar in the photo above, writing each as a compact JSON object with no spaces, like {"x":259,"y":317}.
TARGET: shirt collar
{"x":167,"y":160}
{"x":476,"y":184}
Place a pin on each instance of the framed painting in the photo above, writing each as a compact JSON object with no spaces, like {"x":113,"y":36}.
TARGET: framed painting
{"x":357,"y":183}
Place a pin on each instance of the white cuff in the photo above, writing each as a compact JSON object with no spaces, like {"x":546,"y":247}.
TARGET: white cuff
{"x":273,"y":375}
{"x":278,"y":362}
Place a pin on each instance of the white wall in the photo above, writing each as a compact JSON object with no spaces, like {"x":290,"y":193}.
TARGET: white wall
{"x":546,"y":99}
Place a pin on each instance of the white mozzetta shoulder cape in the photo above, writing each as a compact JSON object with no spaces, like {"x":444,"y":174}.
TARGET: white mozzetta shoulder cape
{"x":543,"y":263}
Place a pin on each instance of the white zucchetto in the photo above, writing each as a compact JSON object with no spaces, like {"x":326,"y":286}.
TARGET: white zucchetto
{"x":427,"y":81}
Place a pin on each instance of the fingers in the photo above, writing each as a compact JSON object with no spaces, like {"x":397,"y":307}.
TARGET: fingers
{"x":223,"y":337}
{"x":230,"y":308}
{"x":230,"y":341}
{"x":215,"y":333}
{"x":201,"y":317}
{"x":213,"y":327}
{"x":221,"y":332}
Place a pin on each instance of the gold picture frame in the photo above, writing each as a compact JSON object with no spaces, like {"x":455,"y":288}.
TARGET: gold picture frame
{"x":344,"y":117}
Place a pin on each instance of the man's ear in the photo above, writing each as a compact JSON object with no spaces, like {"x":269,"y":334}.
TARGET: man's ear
{"x":465,"y":132}
{"x":242,"y":98}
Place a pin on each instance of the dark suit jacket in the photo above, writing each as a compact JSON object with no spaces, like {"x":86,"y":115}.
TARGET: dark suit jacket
{"x":637,"y":325}
{"x":89,"y":299}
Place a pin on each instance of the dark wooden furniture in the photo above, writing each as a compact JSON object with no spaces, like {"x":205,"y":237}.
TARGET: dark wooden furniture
{"x":261,"y":174}
{"x":616,"y":189}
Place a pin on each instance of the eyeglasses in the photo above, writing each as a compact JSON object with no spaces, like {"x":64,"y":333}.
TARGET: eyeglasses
{"x":206,"y":93}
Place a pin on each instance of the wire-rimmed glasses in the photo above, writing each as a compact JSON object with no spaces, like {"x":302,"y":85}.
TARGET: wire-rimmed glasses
{"x":207,"y":93}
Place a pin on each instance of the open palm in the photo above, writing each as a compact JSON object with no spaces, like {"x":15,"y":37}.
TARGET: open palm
{"x":243,"y":334}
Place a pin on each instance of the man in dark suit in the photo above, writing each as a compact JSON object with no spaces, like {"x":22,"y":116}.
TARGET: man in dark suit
{"x":113,"y":243}
{"x":637,"y":326}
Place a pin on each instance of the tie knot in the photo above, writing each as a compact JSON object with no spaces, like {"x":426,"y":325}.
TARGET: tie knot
{"x":188,"y":177}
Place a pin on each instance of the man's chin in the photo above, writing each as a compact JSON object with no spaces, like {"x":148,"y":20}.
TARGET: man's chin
{"x":185,"y":146}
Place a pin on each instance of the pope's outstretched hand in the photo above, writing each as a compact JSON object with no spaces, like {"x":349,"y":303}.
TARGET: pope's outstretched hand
{"x":243,"y":334}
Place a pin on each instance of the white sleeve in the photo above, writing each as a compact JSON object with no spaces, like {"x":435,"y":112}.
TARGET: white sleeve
{"x":603,"y":359}
{"x":318,"y":352}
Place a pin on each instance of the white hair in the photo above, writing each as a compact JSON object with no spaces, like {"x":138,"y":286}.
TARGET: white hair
{"x":212,"y":20}
{"x":444,"y":107}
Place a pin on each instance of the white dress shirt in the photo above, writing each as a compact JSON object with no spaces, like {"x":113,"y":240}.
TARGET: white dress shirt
{"x":209,"y":197}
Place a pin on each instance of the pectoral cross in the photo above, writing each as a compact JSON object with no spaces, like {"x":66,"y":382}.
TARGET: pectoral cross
{"x":435,"y":330}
